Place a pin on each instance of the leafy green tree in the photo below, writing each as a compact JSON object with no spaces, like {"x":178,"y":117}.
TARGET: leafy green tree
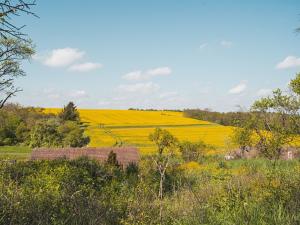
{"x":243,"y":137}
{"x":12,"y":53}
{"x":52,"y":133}
{"x":73,"y":134}
{"x":15,"y":46}
{"x":69,"y":112}
{"x":8,"y":126}
{"x":274,"y":122}
{"x":166,"y":144}
{"x":112,"y":159}
{"x":45,"y":134}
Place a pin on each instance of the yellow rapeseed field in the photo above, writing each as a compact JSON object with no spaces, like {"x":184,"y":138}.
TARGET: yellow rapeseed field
{"x":132,"y":128}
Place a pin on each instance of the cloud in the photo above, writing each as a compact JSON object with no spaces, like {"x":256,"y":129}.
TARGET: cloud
{"x":241,"y":87}
{"x":134,"y":75}
{"x":78,"y":94}
{"x":104,"y":103}
{"x":63,"y":57}
{"x":140,"y":75}
{"x":202,"y":46}
{"x":263,"y":92}
{"x":289,"y":62}
{"x":226,"y":44}
{"x":140,"y":88}
{"x":85,"y":67}
{"x":160,"y":71}
{"x":168,"y":94}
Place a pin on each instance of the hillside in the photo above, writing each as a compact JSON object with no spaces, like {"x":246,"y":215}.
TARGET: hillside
{"x":129,"y":127}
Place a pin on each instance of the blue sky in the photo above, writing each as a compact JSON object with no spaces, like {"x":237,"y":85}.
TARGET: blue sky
{"x":159,"y":54}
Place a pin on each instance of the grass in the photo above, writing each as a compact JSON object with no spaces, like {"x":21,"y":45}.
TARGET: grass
{"x":14,"y":152}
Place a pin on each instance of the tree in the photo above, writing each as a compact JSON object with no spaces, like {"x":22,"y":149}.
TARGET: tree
{"x":242,"y":137}
{"x":166,"y":144}
{"x":53,"y":133}
{"x":69,"y":112}
{"x":73,"y":134}
{"x":112,"y":159}
{"x":274,"y":122}
{"x":12,"y":53}
{"x":9,"y":9}
{"x":15,"y":46}
{"x":45,"y":134}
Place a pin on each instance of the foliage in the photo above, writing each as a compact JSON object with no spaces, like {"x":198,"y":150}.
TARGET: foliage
{"x":192,"y":151}
{"x":83,"y":191}
{"x":13,"y":52}
{"x":15,"y":46}
{"x":69,"y":112}
{"x":51,"y":133}
{"x":73,"y":134}
{"x":166,"y":144}
{"x":45,"y":134}
{"x":274,"y":123}
{"x":226,"y":119}
{"x":112,"y":159}
{"x":16,"y":123}
{"x":31,"y":126}
{"x":163,"y":140}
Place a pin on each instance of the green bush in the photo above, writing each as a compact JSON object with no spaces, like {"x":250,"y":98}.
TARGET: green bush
{"x":53,"y":133}
{"x":83,"y":191}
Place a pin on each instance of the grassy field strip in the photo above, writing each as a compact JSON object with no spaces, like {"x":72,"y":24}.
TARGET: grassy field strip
{"x":14,"y":152}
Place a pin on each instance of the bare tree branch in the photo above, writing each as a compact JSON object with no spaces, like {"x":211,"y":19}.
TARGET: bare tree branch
{"x":15,"y":46}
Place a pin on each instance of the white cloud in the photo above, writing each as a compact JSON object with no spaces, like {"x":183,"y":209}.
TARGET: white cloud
{"x":289,"y":62}
{"x":160,"y":71}
{"x":140,"y":88}
{"x":134,"y":75}
{"x":263,"y":92}
{"x":63,"y":57}
{"x":202,"y":46}
{"x":140,"y":75}
{"x":226,"y":44}
{"x":78,"y":94}
{"x":241,"y":87}
{"x":104,"y":103}
{"x":85,"y":67}
{"x":168,"y":94}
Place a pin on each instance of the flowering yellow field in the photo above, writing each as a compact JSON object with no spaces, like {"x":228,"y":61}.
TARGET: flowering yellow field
{"x":128,"y":127}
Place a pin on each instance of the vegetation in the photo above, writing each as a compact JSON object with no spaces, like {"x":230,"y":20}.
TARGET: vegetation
{"x":183,"y":178}
{"x":226,"y":119}
{"x":31,"y":127}
{"x":132,"y":128}
{"x":179,"y":183}
{"x":193,"y":151}
{"x":86,"y":192}
{"x":15,"y":46}
{"x":69,"y":112}
{"x":274,"y":123}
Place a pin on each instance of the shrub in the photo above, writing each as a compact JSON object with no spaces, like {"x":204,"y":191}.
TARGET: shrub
{"x":192,"y":151}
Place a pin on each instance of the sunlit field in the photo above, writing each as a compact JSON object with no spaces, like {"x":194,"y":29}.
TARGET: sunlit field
{"x":132,"y":128}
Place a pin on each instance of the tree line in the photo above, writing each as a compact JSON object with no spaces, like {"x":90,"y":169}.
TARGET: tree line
{"x":223,"y":118}
{"x":32,"y":127}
